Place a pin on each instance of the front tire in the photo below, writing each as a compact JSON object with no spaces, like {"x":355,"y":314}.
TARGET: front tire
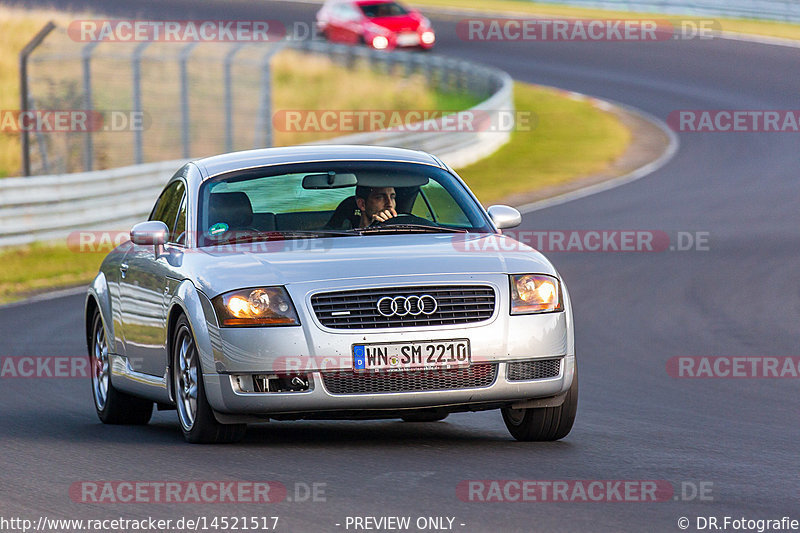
{"x":112,"y":406}
{"x":195,"y":415}
{"x":544,"y":423}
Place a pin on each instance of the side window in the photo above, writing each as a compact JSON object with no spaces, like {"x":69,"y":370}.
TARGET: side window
{"x":349,"y":12}
{"x":421,"y":209}
{"x":179,"y":235}
{"x":168,"y":205}
{"x":435,"y":203}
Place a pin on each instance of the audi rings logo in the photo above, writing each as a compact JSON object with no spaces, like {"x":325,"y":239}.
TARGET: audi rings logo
{"x":407,"y":305}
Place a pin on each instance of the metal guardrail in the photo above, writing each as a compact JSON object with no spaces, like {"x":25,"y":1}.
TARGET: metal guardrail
{"x":51,"y":207}
{"x":781,"y":10}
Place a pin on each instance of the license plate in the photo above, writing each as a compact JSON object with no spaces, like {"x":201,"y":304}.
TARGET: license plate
{"x":407,"y":39}
{"x":398,"y":356}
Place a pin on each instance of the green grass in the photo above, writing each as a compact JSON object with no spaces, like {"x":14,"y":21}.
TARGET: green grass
{"x":42,"y":266}
{"x":756,"y":27}
{"x":570,"y":139}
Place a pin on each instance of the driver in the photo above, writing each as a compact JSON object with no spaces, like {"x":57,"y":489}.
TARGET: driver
{"x":377,"y":204}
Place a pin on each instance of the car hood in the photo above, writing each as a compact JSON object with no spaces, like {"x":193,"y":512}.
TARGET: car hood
{"x":396,"y":24}
{"x":221,"y":269}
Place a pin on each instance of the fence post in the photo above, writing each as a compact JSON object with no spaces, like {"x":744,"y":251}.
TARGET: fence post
{"x":263,"y":137}
{"x":229,"y":96}
{"x":136,"y":63}
{"x":185,"y":122}
{"x":23,"y":89}
{"x":40,"y":141}
{"x":88,"y":141}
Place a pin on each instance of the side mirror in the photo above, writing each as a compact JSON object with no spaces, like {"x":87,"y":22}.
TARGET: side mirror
{"x":150,"y":233}
{"x":504,"y":216}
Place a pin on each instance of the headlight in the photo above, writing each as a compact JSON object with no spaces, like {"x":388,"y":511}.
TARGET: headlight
{"x":428,"y":37}
{"x":535,"y":293}
{"x":268,"y":306}
{"x":379,"y":42}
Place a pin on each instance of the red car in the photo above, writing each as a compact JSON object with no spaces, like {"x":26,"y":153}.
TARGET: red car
{"x":378,"y":23}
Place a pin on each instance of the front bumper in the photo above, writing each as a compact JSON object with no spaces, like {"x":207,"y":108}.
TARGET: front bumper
{"x":312,"y":349}
{"x":226,"y":400}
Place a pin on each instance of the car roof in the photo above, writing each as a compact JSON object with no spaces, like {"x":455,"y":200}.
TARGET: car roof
{"x":219,"y":164}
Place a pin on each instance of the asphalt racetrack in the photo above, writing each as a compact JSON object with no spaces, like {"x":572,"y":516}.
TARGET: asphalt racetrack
{"x":726,"y":447}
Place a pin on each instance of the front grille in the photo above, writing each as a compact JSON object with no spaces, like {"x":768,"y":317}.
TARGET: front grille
{"x":527,"y":370}
{"x":359,"y":309}
{"x":475,"y":376}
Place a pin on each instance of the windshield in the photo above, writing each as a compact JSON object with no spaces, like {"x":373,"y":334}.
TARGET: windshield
{"x":383,"y":9}
{"x":334,"y":199}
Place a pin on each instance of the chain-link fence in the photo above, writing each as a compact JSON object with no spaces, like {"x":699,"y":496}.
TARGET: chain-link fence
{"x":154,"y":101}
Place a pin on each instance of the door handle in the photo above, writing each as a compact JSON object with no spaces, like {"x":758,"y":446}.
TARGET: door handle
{"x":123,"y":269}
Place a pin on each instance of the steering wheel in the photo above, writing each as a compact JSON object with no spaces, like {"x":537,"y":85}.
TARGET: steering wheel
{"x":403,"y":218}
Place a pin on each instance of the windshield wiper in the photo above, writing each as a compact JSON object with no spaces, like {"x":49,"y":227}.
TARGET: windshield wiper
{"x":409,"y":228}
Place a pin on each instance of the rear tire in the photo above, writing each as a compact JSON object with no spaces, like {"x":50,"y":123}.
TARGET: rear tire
{"x":195,"y":415}
{"x":544,"y":423}
{"x":112,"y":406}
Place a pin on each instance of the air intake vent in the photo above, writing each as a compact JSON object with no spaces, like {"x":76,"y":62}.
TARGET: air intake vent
{"x":528,"y":370}
{"x":476,"y":376}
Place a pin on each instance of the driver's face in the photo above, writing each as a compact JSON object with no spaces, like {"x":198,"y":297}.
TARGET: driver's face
{"x":380,"y":199}
{"x":378,"y":206}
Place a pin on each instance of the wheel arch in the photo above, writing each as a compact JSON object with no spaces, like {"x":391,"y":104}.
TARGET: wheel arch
{"x":187,"y":302}
{"x":98,"y":298}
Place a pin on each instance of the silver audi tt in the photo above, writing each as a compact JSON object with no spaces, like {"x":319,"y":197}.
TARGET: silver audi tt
{"x":328,"y":282}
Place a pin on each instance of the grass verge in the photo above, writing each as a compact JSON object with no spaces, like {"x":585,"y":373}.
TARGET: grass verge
{"x":41,"y":266}
{"x":765,"y":28}
{"x":569,"y":139}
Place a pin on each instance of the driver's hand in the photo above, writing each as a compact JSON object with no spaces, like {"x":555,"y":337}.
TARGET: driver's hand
{"x":383,"y":216}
